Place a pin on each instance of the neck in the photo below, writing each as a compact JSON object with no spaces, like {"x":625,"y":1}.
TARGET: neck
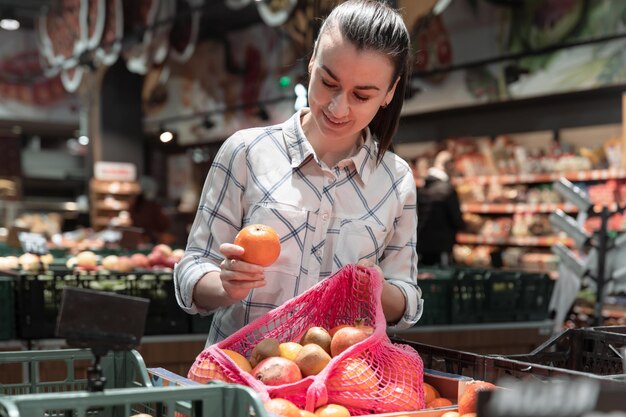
{"x":330,"y":151}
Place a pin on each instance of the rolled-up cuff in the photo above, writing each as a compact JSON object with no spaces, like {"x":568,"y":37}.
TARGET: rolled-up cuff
{"x":414,"y":305}
{"x":184,"y":286}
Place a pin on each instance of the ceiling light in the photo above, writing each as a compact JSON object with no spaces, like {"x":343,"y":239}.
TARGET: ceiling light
{"x":9,"y":24}
{"x":166,"y":136}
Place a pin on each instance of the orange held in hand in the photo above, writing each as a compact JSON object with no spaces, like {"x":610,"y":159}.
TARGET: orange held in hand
{"x":261,"y":244}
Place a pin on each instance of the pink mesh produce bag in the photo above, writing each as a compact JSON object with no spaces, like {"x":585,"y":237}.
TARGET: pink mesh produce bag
{"x":372,"y":376}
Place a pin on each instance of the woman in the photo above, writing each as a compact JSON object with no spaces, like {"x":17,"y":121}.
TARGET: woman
{"x":323,"y":180}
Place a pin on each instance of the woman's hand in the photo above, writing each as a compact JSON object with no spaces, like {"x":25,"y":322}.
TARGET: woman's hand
{"x":239,"y":277}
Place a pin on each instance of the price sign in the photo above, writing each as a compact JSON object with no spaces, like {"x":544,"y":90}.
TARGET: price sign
{"x":33,"y":243}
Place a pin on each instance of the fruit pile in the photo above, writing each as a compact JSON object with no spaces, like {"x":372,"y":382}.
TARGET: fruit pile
{"x":161,"y":257}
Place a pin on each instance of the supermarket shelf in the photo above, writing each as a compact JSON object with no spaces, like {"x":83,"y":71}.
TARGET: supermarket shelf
{"x":594,"y":175}
{"x":487,"y":208}
{"x":465,"y":238}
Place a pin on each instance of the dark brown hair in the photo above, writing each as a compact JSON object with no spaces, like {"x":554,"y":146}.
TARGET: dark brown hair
{"x":374,"y":25}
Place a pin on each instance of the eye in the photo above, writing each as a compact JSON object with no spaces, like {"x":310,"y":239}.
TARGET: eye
{"x":360,"y":97}
{"x":327,"y":84}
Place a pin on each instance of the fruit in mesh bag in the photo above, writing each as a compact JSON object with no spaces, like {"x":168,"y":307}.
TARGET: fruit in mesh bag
{"x":394,"y":396}
{"x":467,"y":401}
{"x":282,"y":407}
{"x":348,"y":336}
{"x":312,"y":359}
{"x":261,"y":244}
{"x":239,"y":359}
{"x":277,"y":371}
{"x":289,"y":350}
{"x":266,"y":348}
{"x":352,"y":382}
{"x":318,"y":336}
{"x":332,"y":410}
{"x":206,"y":371}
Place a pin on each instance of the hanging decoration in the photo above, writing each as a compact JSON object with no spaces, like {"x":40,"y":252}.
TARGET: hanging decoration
{"x":276,"y":12}
{"x":110,"y":46}
{"x":184,"y":33}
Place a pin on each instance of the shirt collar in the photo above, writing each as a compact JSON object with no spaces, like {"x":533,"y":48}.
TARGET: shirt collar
{"x":300,"y":149}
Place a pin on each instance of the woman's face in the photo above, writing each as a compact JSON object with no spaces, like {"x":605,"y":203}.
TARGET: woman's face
{"x":347,"y":86}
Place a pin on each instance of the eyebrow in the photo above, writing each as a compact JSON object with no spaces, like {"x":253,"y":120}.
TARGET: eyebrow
{"x":358,"y":87}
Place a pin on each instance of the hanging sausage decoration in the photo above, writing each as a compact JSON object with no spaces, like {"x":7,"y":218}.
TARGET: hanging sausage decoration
{"x":184,"y":33}
{"x":276,"y":12}
{"x":111,"y":43}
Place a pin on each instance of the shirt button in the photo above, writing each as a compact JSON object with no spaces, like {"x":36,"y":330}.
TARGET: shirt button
{"x":325,"y":217}
{"x":318,"y":253}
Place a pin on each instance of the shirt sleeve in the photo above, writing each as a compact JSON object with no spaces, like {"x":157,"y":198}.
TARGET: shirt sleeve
{"x":399,"y":263}
{"x":217,"y":221}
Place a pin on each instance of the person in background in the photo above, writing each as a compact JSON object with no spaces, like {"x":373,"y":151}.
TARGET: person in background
{"x":323,"y":180}
{"x":439,"y":213}
{"x":147,"y":214}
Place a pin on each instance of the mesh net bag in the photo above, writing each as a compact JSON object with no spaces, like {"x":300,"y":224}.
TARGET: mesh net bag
{"x":372,"y":376}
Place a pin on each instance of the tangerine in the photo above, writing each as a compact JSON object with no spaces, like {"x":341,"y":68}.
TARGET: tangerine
{"x":332,"y":410}
{"x":467,"y":401}
{"x":282,"y":407}
{"x":353,"y":376}
{"x":398,"y":397}
{"x":239,"y":359}
{"x":430,"y":393}
{"x":206,"y":371}
{"x":439,"y":402}
{"x":261,"y":244}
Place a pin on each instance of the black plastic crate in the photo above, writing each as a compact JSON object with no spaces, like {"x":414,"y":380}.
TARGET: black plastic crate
{"x":38,"y":298}
{"x":502,"y":296}
{"x":535,"y":293}
{"x":469,"y":296}
{"x":583,"y":350}
{"x":7,"y":310}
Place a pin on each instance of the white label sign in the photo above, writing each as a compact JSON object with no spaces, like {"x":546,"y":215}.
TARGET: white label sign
{"x":115,"y":171}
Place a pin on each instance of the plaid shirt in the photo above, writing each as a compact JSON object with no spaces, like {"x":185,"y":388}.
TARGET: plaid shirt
{"x":325,"y":217}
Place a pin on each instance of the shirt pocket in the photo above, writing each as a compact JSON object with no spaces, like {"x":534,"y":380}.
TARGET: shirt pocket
{"x":290,"y":223}
{"x":360,"y":239}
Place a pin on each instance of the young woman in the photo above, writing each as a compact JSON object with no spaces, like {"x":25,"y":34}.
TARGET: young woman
{"x":323,"y":180}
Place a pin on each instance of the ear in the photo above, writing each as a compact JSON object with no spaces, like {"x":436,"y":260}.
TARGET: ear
{"x":390,"y":93}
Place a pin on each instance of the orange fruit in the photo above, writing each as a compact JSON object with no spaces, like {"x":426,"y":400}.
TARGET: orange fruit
{"x":467,"y":401}
{"x":261,"y":244}
{"x":304,"y":413}
{"x":439,"y":402}
{"x":430,"y":393}
{"x":353,"y":376}
{"x":239,"y":359}
{"x":282,"y":407}
{"x":332,"y":410}
{"x":398,"y":397}
{"x":289,"y":350}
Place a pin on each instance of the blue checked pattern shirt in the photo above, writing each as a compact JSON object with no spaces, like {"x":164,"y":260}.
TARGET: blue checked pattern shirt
{"x":325,"y":217}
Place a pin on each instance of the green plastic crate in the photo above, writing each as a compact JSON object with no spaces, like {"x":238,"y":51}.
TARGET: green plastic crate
{"x":213,"y":400}
{"x":436,"y":285}
{"x":121,"y":369}
{"x":7,"y":309}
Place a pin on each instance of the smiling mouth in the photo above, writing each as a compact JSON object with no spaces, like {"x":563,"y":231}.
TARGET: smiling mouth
{"x":333,"y":122}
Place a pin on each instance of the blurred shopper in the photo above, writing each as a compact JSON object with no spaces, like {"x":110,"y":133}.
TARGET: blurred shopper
{"x":439,"y":214}
{"x":147,"y":214}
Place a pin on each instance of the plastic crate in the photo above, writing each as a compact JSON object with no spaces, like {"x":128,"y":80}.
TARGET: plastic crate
{"x":535,"y":293}
{"x":7,"y":309}
{"x":583,"y":350}
{"x":493,"y":368}
{"x":65,"y":370}
{"x":38,"y":298}
{"x":436,"y":286}
{"x":213,"y":400}
{"x":469,"y":296}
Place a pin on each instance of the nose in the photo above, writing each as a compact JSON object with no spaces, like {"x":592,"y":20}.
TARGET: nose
{"x":339,"y":106}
